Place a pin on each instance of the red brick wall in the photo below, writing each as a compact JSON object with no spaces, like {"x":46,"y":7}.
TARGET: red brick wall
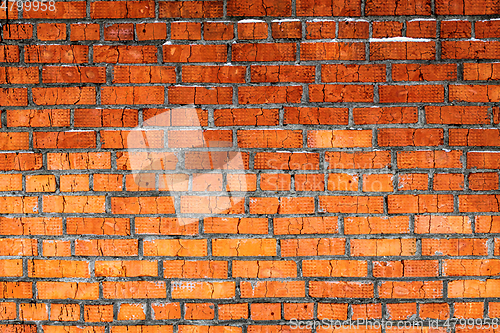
{"x":174,"y":166}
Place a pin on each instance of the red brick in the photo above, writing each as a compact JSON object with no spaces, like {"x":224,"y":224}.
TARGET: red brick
{"x":252,"y":30}
{"x":259,"y":8}
{"x":64,"y":10}
{"x":429,"y":159}
{"x":483,"y":181}
{"x":393,"y":7}
{"x":17,"y":31}
{"x":218,"y":30}
{"x":387,"y":29}
{"x":38,"y":118}
{"x":9,"y":53}
{"x":151,"y":31}
{"x":469,"y":50}
{"x":385,"y":115}
{"x":269,"y":139}
{"x":329,"y":8}
{"x":457,"y":114}
{"x":474,"y":137}
{"x":413,"y":289}
{"x":84,"y":31}
{"x":64,"y":140}
{"x":122,"y":9}
{"x":105,"y":118}
{"x":376,"y":225}
{"x":358,"y":160}
{"x":269,"y":94}
{"x":264,"y":52}
{"x":213,"y":74}
{"x":77,"y":74}
{"x":487,"y":29}
{"x":351,"y":204}
{"x":411,"y":94}
{"x":286,"y":29}
{"x":200,"y":95}
{"x":246,"y":117}
{"x":442,"y":225}
{"x":421,"y":28}
{"x":185,"y":30}
{"x":305,"y":225}
{"x":144,"y":74}
{"x":316,"y":116}
{"x":19,"y":75}
{"x":353,"y":73}
{"x":332,"y":51}
{"x":191,"y":9}
{"x":14,"y":141}
{"x":448,"y":182}
{"x":413,"y":181}
{"x":353,"y":30}
{"x":282,"y":73}
{"x":456,"y":29}
{"x":320,"y":30}
{"x":64,"y":95}
{"x":483,"y":160}
{"x":132,"y":95}
{"x":69,"y":54}
{"x":474,"y":93}
{"x":418,"y":72}
{"x":424,"y":203}
{"x":339,"y":138}
{"x":194,"y":53}
{"x":467,"y":7}
{"x":340,"y":93}
{"x":481,"y":72}
{"x":134,"y":54}
{"x":402,"y":51}
{"x":51,"y":31}
{"x":340,"y":289}
{"x":119,"y":32}
{"x":409,"y":137}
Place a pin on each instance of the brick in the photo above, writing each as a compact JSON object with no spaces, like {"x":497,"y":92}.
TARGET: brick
{"x":176,"y":247}
{"x":69,"y":54}
{"x":31,"y":312}
{"x":305,"y":225}
{"x":271,"y":289}
{"x":411,"y":94}
{"x":134,"y":289}
{"x":73,"y":204}
{"x":269,"y":139}
{"x":457,"y":115}
{"x":19,"y":75}
{"x":340,"y":93}
{"x":269,"y":94}
{"x":387,"y":29}
{"x":132,"y":95}
{"x":480,"y":72}
{"x":31,"y":226}
{"x":106,"y":247}
{"x":265,"y":311}
{"x":383,"y":247}
{"x":199,"y":311}
{"x":385,"y":115}
{"x":486,"y":29}
{"x":425,"y":203}
{"x":393,"y":7}
{"x":474,"y":137}
{"x":413,"y":289}
{"x":122,"y":9}
{"x":286,"y":29}
{"x":402,"y":50}
{"x":200,"y":95}
{"x":133,"y":54}
{"x":472,"y":288}
{"x":366,"y":311}
{"x":79,"y":161}
{"x":129,"y":268}
{"x":234,"y":225}
{"x":478,"y":203}
{"x":376,"y":225}
{"x":332,"y":51}
{"x":105,"y":118}
{"x":9,"y":53}
{"x":340,"y":289}
{"x":264,"y":269}
{"x":339,"y":138}
{"x":282,"y":73}
{"x":64,"y":95}
{"x":287,"y":161}
{"x":142,"y":205}
{"x":18,"y":205}
{"x":358,"y":160}
{"x":474,"y":93}
{"x":213,"y":74}
{"x":483,"y":181}
{"x":259,"y":8}
{"x":316,"y":116}
{"x":64,"y":10}
{"x":20,"y":161}
{"x":194,"y":53}
{"x":409,"y":137}
{"x":252,"y":30}
{"x":64,"y":140}
{"x":84,"y":32}
{"x":378,"y":183}
{"x":332,"y":311}
{"x":58,"y":269}
{"x":200,"y":269}
{"x":456,"y":29}
{"x":56,"y":248}
{"x":418,"y":72}
{"x":429,"y":159}
{"x":421,"y":28}
{"x":166,"y":226}
{"x":151,"y":31}
{"x":353,"y":30}
{"x":51,"y":31}
{"x":38,"y":118}
{"x":64,"y":290}
{"x":454,"y":247}
{"x":13,"y":97}
{"x":191,"y":9}
{"x":448,"y":182}
{"x":218,"y":30}
{"x":204,"y":290}
{"x":442,"y":224}
{"x":335,"y":268}
{"x":244,"y":247}
{"x":185,"y":30}
{"x":329,"y":8}
{"x":413,"y":182}
{"x":119,"y":32}
{"x":469,"y":50}
{"x":166,"y":311}
{"x":401,"y":311}
{"x":469,"y":310}
{"x":17,"y":31}
{"x":8,"y":268}
{"x":468,"y":7}
{"x":320,"y":29}
{"x":74,"y":183}
{"x":353,"y":73}
{"x":246,"y":117}
{"x":263,"y":52}
{"x":310,"y":182}
{"x":350,"y":204}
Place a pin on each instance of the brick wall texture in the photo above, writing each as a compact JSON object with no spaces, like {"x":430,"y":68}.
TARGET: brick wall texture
{"x":229,"y":166}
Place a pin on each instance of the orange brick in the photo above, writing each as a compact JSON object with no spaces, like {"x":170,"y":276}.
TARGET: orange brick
{"x":166,"y":311}
{"x":265,"y":311}
{"x":448,"y":182}
{"x":98,"y":313}
{"x":199,"y":311}
{"x":131,"y":312}
{"x":106,"y":247}
{"x":233,"y":311}
{"x":30,"y":312}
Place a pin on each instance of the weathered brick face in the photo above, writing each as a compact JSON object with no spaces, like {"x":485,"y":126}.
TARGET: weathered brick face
{"x":207,"y":166}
